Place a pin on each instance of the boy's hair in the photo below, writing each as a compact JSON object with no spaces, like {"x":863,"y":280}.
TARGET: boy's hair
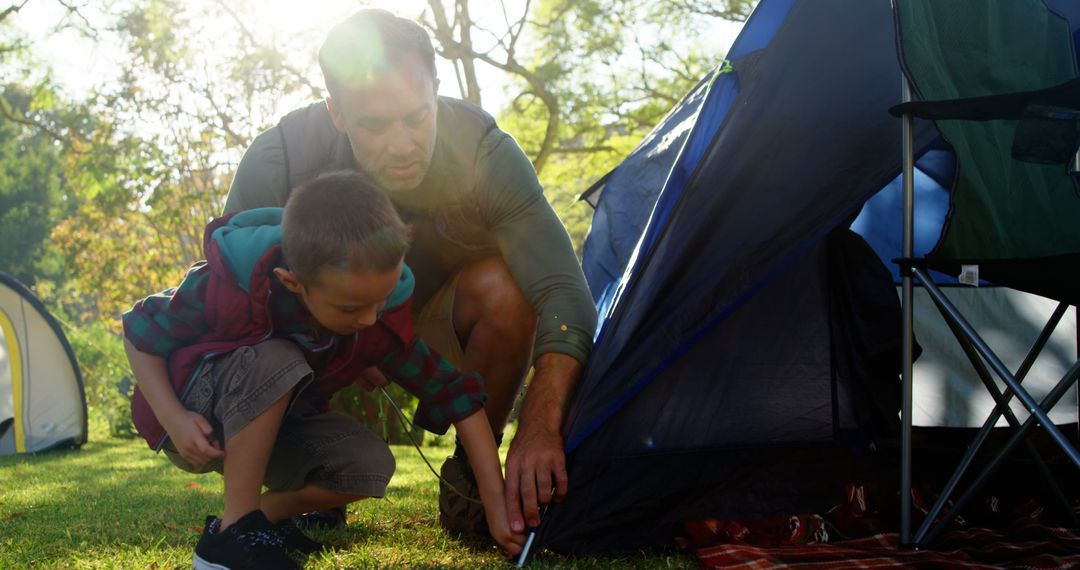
{"x":341,"y":221}
{"x":370,"y":42}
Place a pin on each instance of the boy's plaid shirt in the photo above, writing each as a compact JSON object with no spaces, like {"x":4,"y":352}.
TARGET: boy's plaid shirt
{"x":167,"y":321}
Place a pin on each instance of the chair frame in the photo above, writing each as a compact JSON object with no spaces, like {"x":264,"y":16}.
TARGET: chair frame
{"x":981,"y":356}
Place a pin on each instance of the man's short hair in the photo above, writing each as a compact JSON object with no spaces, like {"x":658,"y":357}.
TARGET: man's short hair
{"x":368,"y":43}
{"x":341,"y":221}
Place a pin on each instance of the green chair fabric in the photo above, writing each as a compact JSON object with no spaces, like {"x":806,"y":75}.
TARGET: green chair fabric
{"x":1003,"y":210}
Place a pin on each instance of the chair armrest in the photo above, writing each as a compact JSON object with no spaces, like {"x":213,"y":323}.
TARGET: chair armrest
{"x":993,"y":107}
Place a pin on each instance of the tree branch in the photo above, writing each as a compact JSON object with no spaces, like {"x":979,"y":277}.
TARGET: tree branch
{"x":465,"y":25}
{"x":252,"y":41}
{"x":12,"y":9}
{"x":73,"y":10}
{"x":540,"y":91}
{"x":733,"y":10}
{"x":8,"y":113}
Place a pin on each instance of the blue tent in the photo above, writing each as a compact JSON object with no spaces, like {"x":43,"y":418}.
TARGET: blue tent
{"x":731,"y":364}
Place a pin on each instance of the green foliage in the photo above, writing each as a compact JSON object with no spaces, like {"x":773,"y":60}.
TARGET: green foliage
{"x":618,"y":66}
{"x":372,"y":409}
{"x":104,"y":200}
{"x":31,"y":198}
{"x":614,"y":69}
{"x":568,"y":175}
{"x":153,"y":165}
{"x":106,"y":378}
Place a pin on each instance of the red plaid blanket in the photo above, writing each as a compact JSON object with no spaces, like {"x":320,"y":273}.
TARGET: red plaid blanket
{"x":813,"y":541}
{"x":1033,"y":546}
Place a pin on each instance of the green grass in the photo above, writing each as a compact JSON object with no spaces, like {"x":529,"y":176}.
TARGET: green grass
{"x":116,"y":504}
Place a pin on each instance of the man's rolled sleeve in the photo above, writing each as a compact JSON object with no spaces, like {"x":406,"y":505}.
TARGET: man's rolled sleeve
{"x":446,"y":394}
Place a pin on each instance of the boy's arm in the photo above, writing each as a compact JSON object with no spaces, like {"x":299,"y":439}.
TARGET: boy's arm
{"x":450,"y":396}
{"x":446,"y":394}
{"x":189,"y":431}
{"x":479,"y":443}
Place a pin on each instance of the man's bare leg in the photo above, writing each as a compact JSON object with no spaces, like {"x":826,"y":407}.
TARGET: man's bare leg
{"x":496,"y":326}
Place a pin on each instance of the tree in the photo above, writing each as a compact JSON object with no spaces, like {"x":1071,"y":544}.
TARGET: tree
{"x":30,"y":191}
{"x":567,"y":54}
{"x":149,"y":159}
{"x":104,"y":199}
{"x":155,"y":165}
{"x":592,"y":76}
{"x":16,"y":56}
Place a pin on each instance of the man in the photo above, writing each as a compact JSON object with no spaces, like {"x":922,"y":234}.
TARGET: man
{"x":497,"y":284}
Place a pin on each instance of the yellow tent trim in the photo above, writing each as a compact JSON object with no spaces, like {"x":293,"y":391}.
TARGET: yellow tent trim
{"x":15,"y":354}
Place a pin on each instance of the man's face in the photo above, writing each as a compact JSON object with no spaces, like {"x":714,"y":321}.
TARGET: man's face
{"x":344,"y":302}
{"x":390,"y":122}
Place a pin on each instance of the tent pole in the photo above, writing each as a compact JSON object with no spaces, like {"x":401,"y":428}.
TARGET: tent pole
{"x":907,"y":348}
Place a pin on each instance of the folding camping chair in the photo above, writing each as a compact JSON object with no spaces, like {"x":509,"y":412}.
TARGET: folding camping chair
{"x":1012,"y":117}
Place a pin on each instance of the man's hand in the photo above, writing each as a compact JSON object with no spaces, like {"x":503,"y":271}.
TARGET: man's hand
{"x":536,"y":461}
{"x":371,"y":378}
{"x":190,"y":434}
{"x":535,"y":466}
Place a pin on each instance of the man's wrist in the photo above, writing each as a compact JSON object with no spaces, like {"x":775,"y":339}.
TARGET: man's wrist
{"x":545,"y":401}
{"x":539,"y":421}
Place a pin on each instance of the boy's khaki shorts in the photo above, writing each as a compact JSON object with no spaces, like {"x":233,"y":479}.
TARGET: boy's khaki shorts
{"x":328,"y":449}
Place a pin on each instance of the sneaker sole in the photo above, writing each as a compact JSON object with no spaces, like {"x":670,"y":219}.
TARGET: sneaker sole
{"x":200,"y":564}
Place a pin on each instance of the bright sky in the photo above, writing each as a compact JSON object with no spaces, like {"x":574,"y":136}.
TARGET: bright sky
{"x":79,"y":63}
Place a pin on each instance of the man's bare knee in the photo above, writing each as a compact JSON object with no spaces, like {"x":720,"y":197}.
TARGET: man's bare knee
{"x":487,"y":293}
{"x":496,"y":326}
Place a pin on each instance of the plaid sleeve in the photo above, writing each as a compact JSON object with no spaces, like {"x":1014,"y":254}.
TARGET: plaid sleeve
{"x":168,"y":320}
{"x":446,"y":394}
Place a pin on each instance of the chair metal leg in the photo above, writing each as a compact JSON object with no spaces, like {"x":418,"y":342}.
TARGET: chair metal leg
{"x":1000,"y":409}
{"x":907,"y":392}
{"x":999,"y":368}
{"x":1051,"y":399}
{"x":907,"y":346}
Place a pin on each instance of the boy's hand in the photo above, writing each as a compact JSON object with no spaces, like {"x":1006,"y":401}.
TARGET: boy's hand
{"x":190,"y":433}
{"x":371,"y":378}
{"x":510,"y":541}
{"x":475,"y":433}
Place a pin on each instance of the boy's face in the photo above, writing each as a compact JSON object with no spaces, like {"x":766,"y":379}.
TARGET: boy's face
{"x":344,"y":301}
{"x":390,"y":122}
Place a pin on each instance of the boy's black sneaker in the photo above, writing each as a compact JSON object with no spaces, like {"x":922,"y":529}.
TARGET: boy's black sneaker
{"x":251,"y":542}
{"x":296,"y":540}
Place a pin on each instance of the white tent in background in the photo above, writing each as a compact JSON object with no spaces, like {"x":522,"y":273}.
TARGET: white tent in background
{"x":42,"y":401}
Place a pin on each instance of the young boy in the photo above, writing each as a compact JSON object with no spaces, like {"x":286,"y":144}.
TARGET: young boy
{"x":235,"y":367}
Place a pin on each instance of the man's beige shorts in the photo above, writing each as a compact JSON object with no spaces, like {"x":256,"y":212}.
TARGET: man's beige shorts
{"x":435,"y":323}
